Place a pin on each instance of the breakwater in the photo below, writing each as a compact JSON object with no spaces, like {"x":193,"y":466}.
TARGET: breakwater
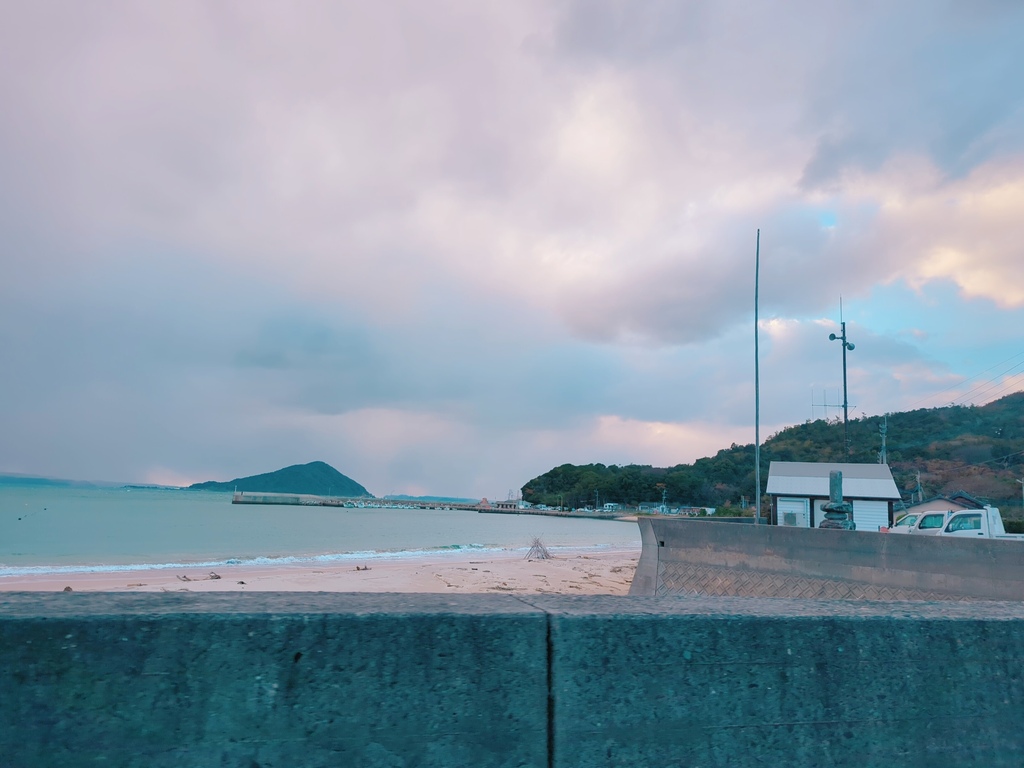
{"x":587,"y":514}
{"x":351,"y":502}
{"x":496,"y":680}
{"x":312,"y":500}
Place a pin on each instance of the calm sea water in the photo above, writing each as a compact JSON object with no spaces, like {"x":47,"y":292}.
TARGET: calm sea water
{"x":46,"y":529}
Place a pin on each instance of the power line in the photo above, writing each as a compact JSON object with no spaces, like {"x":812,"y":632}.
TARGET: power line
{"x":998,"y":458}
{"x":1009,"y":387}
{"x":997,"y":383}
{"x":970,"y":378}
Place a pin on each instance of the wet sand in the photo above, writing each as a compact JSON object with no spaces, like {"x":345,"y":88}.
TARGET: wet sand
{"x":568,"y":572}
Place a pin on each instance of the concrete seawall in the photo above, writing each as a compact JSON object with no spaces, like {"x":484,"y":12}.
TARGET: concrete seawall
{"x":496,"y":680}
{"x":682,"y":556}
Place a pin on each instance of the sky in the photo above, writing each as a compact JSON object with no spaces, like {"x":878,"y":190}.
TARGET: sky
{"x":447,"y":246}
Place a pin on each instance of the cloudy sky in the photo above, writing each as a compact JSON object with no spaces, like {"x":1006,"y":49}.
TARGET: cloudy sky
{"x":446,"y":246}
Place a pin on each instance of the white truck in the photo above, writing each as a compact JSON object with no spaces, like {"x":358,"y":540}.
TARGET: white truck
{"x":922,"y":523}
{"x":984,"y":523}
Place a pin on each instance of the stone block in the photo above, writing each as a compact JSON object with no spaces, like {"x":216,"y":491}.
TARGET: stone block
{"x":707,"y":682}
{"x":282,"y":680}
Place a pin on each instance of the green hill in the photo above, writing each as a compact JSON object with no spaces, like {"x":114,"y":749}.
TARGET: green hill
{"x":977,"y":449}
{"x":316,"y":478}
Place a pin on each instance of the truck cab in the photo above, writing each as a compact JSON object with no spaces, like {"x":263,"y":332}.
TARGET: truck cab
{"x":922,"y":523}
{"x":984,"y":523}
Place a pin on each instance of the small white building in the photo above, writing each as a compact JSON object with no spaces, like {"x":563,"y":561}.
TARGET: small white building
{"x":953,"y":503}
{"x":799,"y":489}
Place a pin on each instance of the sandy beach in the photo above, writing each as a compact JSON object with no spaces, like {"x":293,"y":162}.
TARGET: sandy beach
{"x":567,"y":572}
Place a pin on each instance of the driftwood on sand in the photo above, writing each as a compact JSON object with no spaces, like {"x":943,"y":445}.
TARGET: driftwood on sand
{"x":538,"y":551}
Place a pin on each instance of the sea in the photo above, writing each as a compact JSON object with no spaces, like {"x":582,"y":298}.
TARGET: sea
{"x":53,"y":529}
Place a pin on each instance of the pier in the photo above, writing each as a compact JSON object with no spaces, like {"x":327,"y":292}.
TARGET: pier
{"x":350,"y":502}
{"x":365,"y":502}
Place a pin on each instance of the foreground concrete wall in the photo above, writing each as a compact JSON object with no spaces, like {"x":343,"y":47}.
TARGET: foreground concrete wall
{"x":284,"y":680}
{"x":773,"y":682}
{"x":477,"y":680}
{"x":683,"y":556}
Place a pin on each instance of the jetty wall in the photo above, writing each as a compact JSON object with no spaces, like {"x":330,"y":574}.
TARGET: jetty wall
{"x":696,"y":557}
{"x":278,"y":679}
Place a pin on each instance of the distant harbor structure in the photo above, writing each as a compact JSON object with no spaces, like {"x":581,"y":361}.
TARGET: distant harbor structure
{"x":312,"y":500}
{"x":364,"y":502}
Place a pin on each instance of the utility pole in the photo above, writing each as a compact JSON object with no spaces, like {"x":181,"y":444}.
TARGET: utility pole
{"x":883,"y":428}
{"x":1021,"y":492}
{"x":846,"y":403}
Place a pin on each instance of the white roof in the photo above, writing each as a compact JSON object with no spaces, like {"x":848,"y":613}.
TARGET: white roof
{"x":809,"y":478}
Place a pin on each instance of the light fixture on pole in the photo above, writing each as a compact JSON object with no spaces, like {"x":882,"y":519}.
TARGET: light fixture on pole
{"x":846,"y":403}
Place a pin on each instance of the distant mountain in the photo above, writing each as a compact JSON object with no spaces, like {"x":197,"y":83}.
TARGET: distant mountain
{"x":315,"y":478}
{"x":50,"y":482}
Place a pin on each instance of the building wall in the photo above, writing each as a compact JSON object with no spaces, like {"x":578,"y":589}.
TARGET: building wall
{"x":806,"y":512}
{"x":934,"y":505}
{"x":793,"y":512}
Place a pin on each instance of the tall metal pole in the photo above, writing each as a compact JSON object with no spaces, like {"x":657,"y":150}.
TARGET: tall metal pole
{"x":846,"y":401}
{"x":757,"y":388}
{"x":846,"y":404}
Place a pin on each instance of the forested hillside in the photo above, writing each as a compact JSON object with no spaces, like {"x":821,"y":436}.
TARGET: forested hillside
{"x":978,"y":449}
{"x":316,"y":477}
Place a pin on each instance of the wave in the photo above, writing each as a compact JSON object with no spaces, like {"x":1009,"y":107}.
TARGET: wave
{"x":280,"y":560}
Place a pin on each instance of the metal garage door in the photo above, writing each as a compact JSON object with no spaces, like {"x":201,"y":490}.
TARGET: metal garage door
{"x":870,"y":515}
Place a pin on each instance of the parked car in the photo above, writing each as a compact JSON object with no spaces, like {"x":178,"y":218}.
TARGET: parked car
{"x":985,"y":523}
{"x":922,"y":523}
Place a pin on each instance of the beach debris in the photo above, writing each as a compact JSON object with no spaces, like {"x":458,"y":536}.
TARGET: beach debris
{"x":241,"y":582}
{"x":363,"y":568}
{"x":184,"y":578}
{"x":213,"y":575}
{"x":538,"y":551}
{"x":504,"y":587}
{"x":68,"y":589}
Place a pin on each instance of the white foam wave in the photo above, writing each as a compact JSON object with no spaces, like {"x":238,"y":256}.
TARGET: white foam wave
{"x":283,"y":560}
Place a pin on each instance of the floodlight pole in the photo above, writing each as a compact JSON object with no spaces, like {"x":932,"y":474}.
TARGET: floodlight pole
{"x":846,"y":404}
{"x":757,"y":389}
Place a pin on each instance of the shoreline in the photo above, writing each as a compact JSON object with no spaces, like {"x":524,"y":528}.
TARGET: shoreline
{"x":579,"y":571}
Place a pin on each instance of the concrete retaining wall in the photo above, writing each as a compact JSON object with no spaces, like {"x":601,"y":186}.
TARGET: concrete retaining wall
{"x":478,"y":680}
{"x":284,"y":680}
{"x":698,"y":557}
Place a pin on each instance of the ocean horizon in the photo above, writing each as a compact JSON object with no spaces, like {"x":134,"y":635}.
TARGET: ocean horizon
{"x":58,"y":529}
